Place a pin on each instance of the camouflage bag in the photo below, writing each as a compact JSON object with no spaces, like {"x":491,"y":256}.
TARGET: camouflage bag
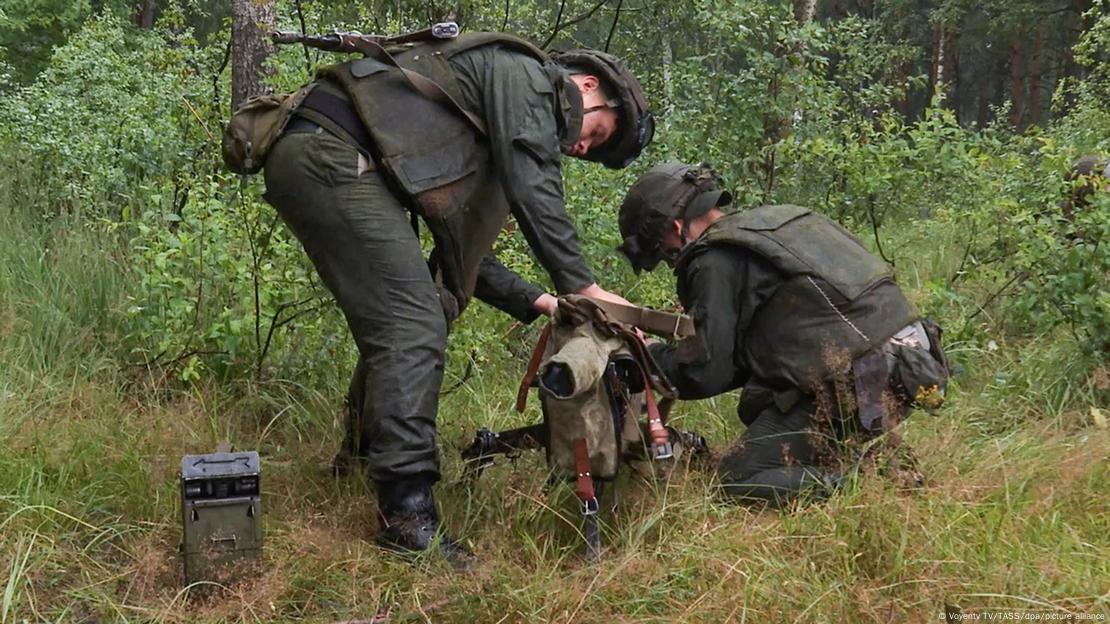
{"x":255,"y":127}
{"x":597,"y":385}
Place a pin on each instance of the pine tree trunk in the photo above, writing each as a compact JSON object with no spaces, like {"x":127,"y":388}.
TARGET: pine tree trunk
{"x":1071,"y":68}
{"x":144,"y":14}
{"x":952,"y":70}
{"x":1017,"y":83}
{"x":251,"y":23}
{"x":938,"y":54}
{"x":1036,"y":65}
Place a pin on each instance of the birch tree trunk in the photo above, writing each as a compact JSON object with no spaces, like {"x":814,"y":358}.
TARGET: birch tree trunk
{"x":251,"y":23}
{"x":804,"y":10}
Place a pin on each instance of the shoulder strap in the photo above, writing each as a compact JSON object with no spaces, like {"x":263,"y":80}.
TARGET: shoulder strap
{"x":424,"y":86}
{"x":533,"y":368}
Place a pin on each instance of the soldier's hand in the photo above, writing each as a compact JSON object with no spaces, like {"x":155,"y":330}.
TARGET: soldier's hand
{"x":597,"y":292}
{"x":545,"y":304}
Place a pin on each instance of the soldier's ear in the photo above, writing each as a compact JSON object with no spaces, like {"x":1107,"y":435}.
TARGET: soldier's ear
{"x":587,"y":83}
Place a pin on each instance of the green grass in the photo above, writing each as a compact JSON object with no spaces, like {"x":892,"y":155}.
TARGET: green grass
{"x":1014,"y":515}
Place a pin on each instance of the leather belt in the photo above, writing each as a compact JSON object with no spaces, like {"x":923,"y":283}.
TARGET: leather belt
{"x":340,"y":111}
{"x":301,"y":125}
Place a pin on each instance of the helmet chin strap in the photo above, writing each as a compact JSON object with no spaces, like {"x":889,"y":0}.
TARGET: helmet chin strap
{"x":670,"y":256}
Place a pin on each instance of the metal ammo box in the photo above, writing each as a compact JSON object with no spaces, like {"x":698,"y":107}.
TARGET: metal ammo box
{"x":221,"y":513}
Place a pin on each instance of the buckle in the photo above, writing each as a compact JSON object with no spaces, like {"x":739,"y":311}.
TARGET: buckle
{"x":663,"y":451}
{"x":590,"y":507}
{"x":445,"y":30}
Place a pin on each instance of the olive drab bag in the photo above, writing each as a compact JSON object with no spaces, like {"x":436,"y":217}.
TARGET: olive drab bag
{"x":597,"y":385}
{"x":586,"y":369}
{"x":255,"y":127}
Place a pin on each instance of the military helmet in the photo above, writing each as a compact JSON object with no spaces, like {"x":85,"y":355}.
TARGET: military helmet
{"x":666,"y":192}
{"x":1091,"y":165}
{"x":1083,"y":177}
{"x":637,"y":125}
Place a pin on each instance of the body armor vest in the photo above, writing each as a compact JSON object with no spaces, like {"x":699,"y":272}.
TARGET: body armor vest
{"x":434,"y":150}
{"x":836,"y":302}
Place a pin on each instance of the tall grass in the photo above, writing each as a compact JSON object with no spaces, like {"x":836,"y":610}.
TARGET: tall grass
{"x":1013,"y":515}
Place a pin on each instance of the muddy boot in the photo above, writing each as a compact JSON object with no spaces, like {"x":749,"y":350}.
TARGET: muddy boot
{"x":410,"y":524}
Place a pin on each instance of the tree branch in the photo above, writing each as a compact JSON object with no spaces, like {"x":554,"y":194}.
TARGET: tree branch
{"x":875,"y":229}
{"x":300,"y":16}
{"x":558,"y":25}
{"x":585,"y":16}
{"x":613,"y":28}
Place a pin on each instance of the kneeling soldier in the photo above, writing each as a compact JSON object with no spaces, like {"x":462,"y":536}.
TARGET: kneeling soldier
{"x":792,"y":308}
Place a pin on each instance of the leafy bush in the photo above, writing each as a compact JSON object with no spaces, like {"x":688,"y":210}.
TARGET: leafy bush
{"x":117,"y":113}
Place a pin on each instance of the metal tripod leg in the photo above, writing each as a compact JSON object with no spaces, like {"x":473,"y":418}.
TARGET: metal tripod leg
{"x":591,"y":524}
{"x":488,"y":444}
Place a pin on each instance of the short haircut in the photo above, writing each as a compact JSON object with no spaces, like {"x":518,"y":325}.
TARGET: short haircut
{"x":607,"y":90}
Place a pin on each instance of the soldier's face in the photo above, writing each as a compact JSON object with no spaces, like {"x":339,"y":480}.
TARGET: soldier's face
{"x":597,"y":126}
{"x":599,"y":121}
{"x":672,"y":241}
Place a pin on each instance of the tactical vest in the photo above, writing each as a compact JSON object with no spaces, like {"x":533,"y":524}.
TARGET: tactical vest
{"x":837,"y":300}
{"x":435,"y":151}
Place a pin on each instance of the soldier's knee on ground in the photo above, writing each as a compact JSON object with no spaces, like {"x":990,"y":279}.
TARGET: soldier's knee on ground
{"x":782,"y":487}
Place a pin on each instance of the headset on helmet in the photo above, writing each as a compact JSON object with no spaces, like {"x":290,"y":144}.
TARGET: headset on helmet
{"x":664,"y":193}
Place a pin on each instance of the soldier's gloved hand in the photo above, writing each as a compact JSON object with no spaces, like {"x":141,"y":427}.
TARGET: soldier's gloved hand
{"x":546,"y":304}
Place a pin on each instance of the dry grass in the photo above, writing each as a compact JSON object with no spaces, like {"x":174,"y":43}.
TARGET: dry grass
{"x":89,"y":526}
{"x":1013,"y":516}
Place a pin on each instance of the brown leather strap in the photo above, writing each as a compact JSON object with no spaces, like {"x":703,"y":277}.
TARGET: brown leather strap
{"x":656,"y":427}
{"x":533,"y":368}
{"x":657,"y":413}
{"x":584,"y":481}
{"x":665,"y":324}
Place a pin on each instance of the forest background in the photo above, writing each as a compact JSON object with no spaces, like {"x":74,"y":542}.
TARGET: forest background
{"x":152,"y":305}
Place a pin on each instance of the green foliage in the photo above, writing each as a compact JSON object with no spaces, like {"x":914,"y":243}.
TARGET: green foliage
{"x":217,"y":285}
{"x":152,"y":305}
{"x":116,"y":113}
{"x":31,"y":29}
{"x":806,"y":115}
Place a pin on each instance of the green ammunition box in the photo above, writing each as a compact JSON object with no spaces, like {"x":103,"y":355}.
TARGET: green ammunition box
{"x":221,"y":515}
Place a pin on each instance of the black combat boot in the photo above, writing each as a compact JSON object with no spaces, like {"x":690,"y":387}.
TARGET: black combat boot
{"x":409,"y":522}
